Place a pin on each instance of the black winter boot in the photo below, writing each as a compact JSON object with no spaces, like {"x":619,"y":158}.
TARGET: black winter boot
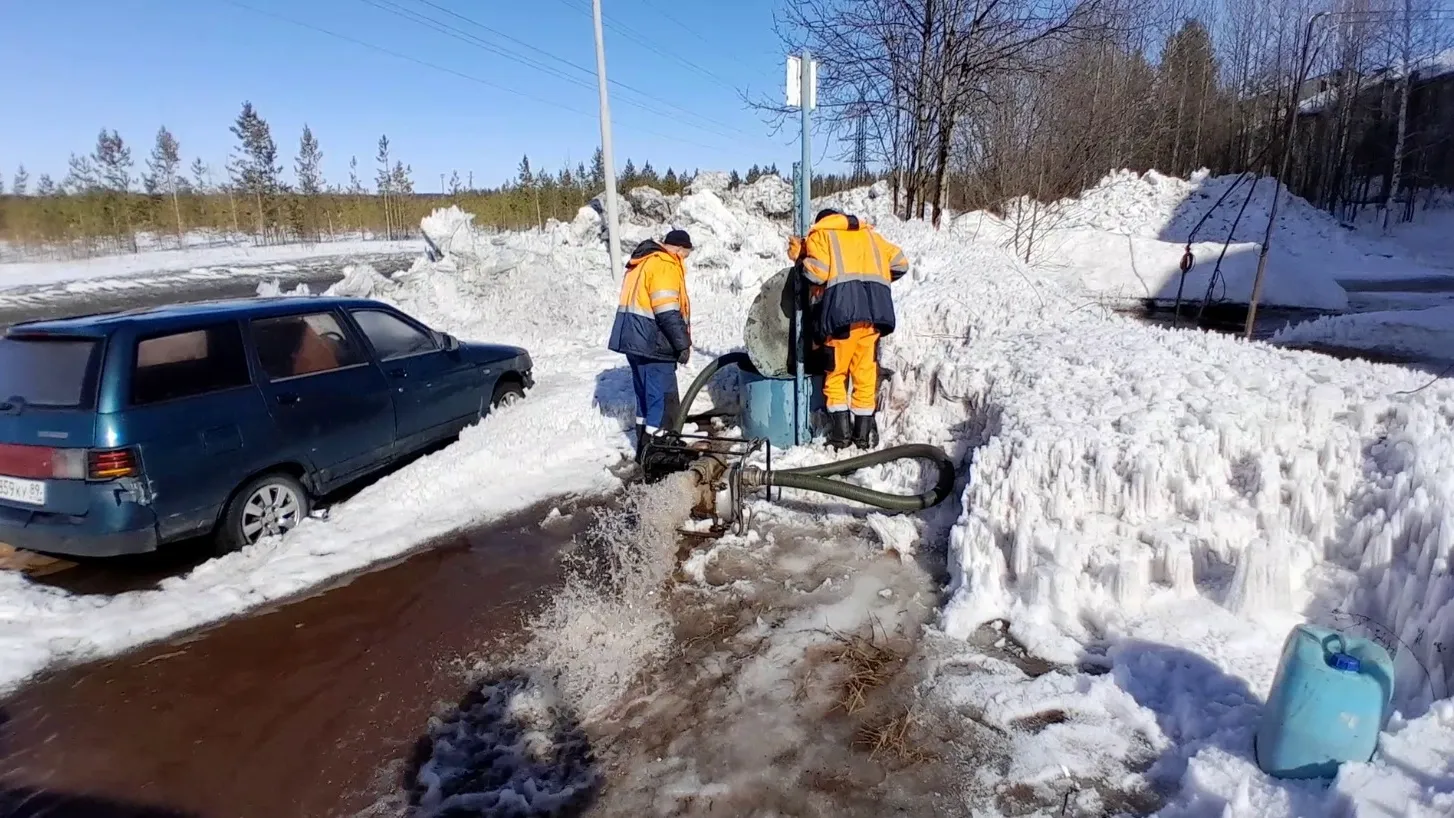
{"x":640,"y":442}
{"x":840,"y":430}
{"x":865,"y":431}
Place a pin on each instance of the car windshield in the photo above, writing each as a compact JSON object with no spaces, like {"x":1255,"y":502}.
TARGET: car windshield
{"x":45,"y":372}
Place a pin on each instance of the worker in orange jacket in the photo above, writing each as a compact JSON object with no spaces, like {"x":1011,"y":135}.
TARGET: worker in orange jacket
{"x":653,"y":329}
{"x":849,"y":268}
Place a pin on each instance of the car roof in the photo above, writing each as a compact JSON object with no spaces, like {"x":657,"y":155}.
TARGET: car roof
{"x":187,"y":315}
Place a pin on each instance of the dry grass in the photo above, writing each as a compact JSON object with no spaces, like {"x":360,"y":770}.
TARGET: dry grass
{"x":891,"y":738}
{"x":870,"y":666}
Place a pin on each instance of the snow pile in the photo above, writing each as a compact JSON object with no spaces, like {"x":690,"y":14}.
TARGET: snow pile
{"x":1156,"y":496}
{"x":274,"y":289}
{"x":1425,"y":334}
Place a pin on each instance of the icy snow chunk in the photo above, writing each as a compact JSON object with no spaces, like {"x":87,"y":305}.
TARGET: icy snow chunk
{"x":274,"y":288}
{"x":709,"y":181}
{"x":897,"y":534}
{"x":650,"y":204}
{"x":361,"y":281}
{"x":770,"y":196}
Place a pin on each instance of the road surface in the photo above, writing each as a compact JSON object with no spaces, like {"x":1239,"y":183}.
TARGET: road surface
{"x":55,"y":301}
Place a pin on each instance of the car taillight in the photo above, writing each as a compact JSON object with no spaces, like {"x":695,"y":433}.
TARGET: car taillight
{"x":110,"y":464}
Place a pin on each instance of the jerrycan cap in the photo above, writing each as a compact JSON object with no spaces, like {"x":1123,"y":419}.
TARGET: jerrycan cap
{"x":1345,"y":663}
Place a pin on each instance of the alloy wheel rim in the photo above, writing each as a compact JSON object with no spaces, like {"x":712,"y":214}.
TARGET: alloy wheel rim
{"x":271,"y":511}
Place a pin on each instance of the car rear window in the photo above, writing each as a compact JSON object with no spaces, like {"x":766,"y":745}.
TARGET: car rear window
{"x":186,"y":364}
{"x":56,"y":372}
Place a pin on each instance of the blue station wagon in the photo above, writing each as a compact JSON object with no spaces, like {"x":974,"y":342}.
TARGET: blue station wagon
{"x":123,"y":431}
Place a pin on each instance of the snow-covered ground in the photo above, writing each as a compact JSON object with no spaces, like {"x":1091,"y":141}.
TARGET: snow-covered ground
{"x":1149,"y":511}
{"x":1124,"y":239}
{"x":1425,"y":334}
{"x":89,"y":274}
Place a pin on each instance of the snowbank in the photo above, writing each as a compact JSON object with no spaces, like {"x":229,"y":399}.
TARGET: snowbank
{"x":1127,"y":234}
{"x":1122,"y":269}
{"x":1171,"y":502}
{"x":1426,"y":334}
{"x":39,"y":273}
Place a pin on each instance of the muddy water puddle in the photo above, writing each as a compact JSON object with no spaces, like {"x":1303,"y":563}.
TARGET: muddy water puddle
{"x":304,"y":710}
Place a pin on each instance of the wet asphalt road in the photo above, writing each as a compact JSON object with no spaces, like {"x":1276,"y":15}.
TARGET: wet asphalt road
{"x":55,"y":301}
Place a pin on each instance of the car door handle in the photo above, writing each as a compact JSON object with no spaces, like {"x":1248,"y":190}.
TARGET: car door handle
{"x":287,"y":399}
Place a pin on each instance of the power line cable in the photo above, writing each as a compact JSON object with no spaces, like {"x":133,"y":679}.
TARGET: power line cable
{"x":470,"y":39}
{"x":588,"y":72}
{"x":630,"y":34}
{"x":452,"y":72}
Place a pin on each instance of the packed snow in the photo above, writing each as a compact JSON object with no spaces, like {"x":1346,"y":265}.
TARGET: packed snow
{"x":1124,"y":239}
{"x":103,"y":272}
{"x":1426,"y":334}
{"x":1146,"y":511}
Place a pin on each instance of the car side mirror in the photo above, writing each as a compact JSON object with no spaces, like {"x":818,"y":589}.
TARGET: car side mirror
{"x":450,"y":342}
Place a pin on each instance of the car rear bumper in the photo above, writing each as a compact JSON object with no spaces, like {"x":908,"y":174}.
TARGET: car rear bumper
{"x":108,"y":529}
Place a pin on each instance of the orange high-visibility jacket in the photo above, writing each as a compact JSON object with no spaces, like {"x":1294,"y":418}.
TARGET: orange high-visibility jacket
{"x":654,"y":314}
{"x":852,"y":265}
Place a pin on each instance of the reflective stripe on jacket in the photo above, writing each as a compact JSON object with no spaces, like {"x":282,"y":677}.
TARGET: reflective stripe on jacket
{"x":654,"y":315}
{"x":852,"y":265}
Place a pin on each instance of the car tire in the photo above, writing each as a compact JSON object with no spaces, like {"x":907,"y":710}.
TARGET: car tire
{"x":272,"y":504}
{"x":506,"y":393}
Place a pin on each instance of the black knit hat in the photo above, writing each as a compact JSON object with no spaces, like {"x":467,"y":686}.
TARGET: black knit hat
{"x":678,"y":238}
{"x":826,"y":212}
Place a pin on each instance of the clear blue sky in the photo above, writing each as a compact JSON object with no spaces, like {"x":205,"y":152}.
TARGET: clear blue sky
{"x":75,"y":66}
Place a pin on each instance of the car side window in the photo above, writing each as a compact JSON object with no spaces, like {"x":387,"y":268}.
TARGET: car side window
{"x":293,"y":345}
{"x":391,"y":337}
{"x":187,"y":364}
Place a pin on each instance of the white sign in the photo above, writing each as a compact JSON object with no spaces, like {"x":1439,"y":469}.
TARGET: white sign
{"x":795,"y":82}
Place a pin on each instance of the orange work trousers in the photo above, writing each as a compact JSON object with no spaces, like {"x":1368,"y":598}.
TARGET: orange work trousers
{"x":856,"y":358}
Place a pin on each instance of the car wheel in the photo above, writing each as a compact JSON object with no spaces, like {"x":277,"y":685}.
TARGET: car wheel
{"x":270,"y":505}
{"x":506,"y":393}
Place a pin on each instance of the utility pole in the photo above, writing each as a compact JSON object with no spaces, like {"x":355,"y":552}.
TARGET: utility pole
{"x":801,"y":69}
{"x":613,"y":228}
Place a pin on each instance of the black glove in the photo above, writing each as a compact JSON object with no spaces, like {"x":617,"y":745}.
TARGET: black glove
{"x":684,"y":356}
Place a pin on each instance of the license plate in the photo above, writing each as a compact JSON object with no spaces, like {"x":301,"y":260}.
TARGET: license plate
{"x":30,"y":492}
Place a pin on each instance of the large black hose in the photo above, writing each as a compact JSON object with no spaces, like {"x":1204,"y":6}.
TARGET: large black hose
{"x":816,"y":478}
{"x":678,"y":421}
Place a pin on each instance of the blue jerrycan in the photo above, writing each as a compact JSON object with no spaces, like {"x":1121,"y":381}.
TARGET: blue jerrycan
{"x":1328,"y":704}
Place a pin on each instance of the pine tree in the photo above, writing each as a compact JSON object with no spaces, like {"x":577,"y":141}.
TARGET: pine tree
{"x":111,"y":161}
{"x":385,"y":182}
{"x":255,"y":169}
{"x":669,"y":183}
{"x":628,"y":175}
{"x":399,"y":181}
{"x":734,"y":180}
{"x":454,"y":185}
{"x":162,"y":167}
{"x":22,"y":182}
{"x":648,"y":175}
{"x":309,"y":164}
{"x":598,"y":171}
{"x":753,"y":174}
{"x":201,"y":176}
{"x":355,"y":185}
{"x":524,"y":176}
{"x":44,"y":186}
